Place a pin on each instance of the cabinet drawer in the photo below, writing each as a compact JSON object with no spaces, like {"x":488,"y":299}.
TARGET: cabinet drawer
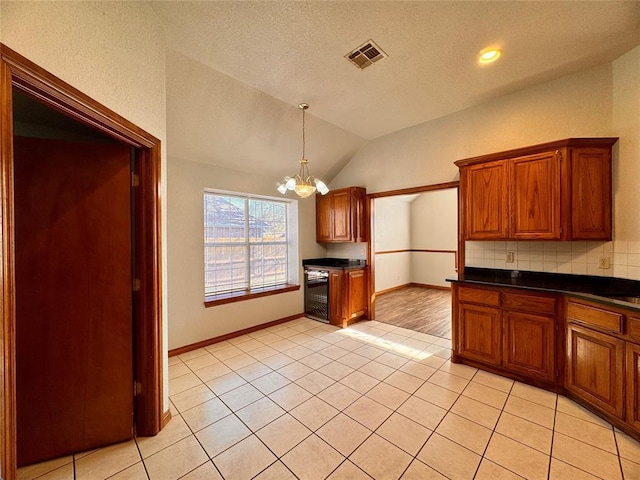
{"x":633,"y":324}
{"x":595,"y":317}
{"x":529,"y":303}
{"x":477,"y":295}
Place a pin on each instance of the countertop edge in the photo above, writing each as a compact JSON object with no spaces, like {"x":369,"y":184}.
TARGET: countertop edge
{"x":572,"y":293}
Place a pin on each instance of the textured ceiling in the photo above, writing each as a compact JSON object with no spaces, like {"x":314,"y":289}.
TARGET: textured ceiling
{"x":294,"y":51}
{"x":236,"y":70}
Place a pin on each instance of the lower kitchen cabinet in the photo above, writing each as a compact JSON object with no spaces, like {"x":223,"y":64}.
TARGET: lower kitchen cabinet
{"x":357,"y":293}
{"x":480,"y":333}
{"x":633,"y":385}
{"x":581,"y":347}
{"x":595,"y":368}
{"x":336,"y":288}
{"x":347,"y":296}
{"x":511,"y":331}
{"x":529,"y":345}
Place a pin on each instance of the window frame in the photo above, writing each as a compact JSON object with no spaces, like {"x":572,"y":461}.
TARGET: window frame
{"x":292,"y":283}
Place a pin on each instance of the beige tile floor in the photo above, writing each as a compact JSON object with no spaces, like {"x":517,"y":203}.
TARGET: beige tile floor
{"x":306,"y":400}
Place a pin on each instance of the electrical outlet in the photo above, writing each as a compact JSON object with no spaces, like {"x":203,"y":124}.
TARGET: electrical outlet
{"x":605,"y":262}
{"x":510,"y":257}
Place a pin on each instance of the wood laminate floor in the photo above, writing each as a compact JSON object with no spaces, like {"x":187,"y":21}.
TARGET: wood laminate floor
{"x":425,"y":310}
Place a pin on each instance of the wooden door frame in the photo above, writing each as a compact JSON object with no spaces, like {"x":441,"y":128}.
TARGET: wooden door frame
{"x":18,"y":72}
{"x":371,"y":307}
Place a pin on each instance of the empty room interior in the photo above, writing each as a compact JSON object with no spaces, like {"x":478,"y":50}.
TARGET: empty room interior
{"x":320,"y":240}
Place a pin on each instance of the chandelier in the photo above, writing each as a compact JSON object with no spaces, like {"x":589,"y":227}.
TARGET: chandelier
{"x":303,"y":183}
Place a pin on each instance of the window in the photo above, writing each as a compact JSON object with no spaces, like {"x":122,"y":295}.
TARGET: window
{"x":247,"y":245}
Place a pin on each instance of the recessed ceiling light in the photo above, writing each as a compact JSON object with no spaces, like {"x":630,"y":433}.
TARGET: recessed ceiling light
{"x":489,"y":55}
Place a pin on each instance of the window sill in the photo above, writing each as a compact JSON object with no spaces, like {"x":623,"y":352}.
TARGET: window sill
{"x":213,"y":300}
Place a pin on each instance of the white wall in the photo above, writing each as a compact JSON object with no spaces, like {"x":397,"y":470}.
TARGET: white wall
{"x":603,"y":101}
{"x":583,"y":257}
{"x":114,"y":52}
{"x":424,"y":222}
{"x":392,"y":232}
{"x":191,"y":321}
{"x":434,"y":226}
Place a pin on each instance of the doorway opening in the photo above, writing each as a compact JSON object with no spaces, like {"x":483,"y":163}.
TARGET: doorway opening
{"x":73,"y":284}
{"x":414,"y":247}
{"x":138,"y":226}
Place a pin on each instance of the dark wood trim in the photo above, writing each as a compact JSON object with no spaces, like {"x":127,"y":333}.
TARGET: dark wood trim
{"x":166,"y":416}
{"x":8,"y":454}
{"x":542,"y":147}
{"x":371,"y":262}
{"x":411,"y":284}
{"x":18,"y":72}
{"x":419,"y":250}
{"x":50,"y":89}
{"x":461,"y":243}
{"x":414,"y":190}
{"x":428,"y":285}
{"x":214,"y":300}
{"x":227,"y":336}
{"x":148,"y":310}
{"x":392,"y":289}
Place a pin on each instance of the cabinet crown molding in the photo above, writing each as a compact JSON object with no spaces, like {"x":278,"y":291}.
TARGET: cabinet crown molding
{"x":542,"y":147}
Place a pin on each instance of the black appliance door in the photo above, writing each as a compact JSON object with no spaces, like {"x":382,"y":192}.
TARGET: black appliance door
{"x":316,"y":294}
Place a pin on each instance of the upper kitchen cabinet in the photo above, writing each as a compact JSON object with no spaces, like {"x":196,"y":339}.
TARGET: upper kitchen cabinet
{"x":485,"y":200}
{"x":341,"y":216}
{"x":554,"y":191}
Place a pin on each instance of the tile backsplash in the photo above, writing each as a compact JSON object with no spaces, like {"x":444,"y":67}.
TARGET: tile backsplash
{"x":583,"y":258}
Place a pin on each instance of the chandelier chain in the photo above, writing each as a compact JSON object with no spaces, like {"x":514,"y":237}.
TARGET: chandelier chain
{"x":304,"y":141}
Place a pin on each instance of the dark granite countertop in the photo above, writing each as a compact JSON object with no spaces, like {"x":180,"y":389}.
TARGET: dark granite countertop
{"x":334,"y":263}
{"x":614,"y":291}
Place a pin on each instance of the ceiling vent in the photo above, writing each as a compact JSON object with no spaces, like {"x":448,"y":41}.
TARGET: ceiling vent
{"x":365,"y":55}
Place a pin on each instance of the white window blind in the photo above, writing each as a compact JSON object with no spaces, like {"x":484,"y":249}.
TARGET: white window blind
{"x":245,"y":243}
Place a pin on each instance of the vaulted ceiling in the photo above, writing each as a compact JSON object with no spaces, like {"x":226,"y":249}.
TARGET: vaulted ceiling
{"x":244,"y":66}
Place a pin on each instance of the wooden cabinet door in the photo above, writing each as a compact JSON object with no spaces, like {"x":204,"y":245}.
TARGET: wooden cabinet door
{"x":529,"y":345}
{"x":591,"y":201}
{"x":341,"y":210}
{"x":360,"y":217}
{"x":595,"y":368}
{"x":357,"y":293}
{"x":479,"y":330}
{"x":336,"y":288}
{"x":486,"y":203}
{"x":535,"y":196}
{"x":323,"y":218}
{"x":633,"y":385}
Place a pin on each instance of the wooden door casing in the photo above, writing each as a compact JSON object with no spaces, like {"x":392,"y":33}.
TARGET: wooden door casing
{"x":73,"y":297}
{"x":534,"y":182}
{"x":633,"y":385}
{"x":19,"y":73}
{"x":480,"y":332}
{"x":529,"y":345}
{"x":595,"y":366}
{"x":484,"y":188}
